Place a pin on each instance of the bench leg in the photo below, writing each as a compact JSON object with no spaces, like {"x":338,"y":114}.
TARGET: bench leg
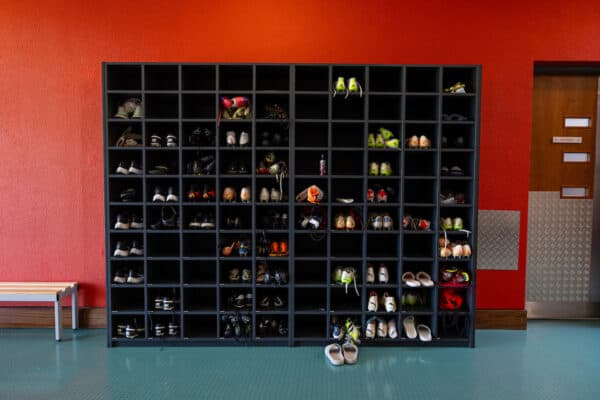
{"x":74,"y":310}
{"x":58,"y":320}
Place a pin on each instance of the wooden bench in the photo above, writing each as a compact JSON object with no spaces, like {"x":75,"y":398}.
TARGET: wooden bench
{"x":46,"y":292}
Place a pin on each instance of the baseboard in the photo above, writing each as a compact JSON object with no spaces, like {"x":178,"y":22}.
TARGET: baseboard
{"x":43,"y":317}
{"x":95,"y":317}
{"x":501,"y":319}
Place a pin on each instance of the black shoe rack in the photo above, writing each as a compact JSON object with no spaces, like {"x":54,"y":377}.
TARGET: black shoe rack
{"x":183,"y":290}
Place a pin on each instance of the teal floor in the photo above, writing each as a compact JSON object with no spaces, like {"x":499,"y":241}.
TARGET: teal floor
{"x":551,"y":360}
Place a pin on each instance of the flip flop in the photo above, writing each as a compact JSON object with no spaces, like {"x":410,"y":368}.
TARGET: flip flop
{"x":333,"y":352}
{"x":408,"y":278}
{"x":425,"y":279}
{"x":350,"y":353}
{"x":409,"y":327}
{"x":424,"y":333}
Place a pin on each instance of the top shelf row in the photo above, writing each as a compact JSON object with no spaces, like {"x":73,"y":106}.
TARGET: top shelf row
{"x":248,"y":77}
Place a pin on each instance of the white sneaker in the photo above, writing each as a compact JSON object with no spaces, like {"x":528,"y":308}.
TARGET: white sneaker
{"x":392,"y":329}
{"x":373,"y":304}
{"x":390,"y":303}
{"x":244,"y":138}
{"x":370,"y":273}
{"x":382,"y":328}
{"x":383,"y":274}
{"x":371,"y":328}
{"x":350,"y":351}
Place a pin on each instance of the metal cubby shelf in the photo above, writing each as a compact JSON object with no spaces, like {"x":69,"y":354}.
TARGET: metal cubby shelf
{"x":186,"y":266}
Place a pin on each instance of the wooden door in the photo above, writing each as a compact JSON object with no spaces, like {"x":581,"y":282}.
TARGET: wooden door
{"x":558,"y":101}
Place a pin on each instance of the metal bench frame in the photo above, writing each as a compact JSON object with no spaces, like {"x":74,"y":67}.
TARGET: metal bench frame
{"x":45,"y":292}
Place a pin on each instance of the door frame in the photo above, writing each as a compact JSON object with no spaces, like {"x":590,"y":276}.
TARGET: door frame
{"x":576,"y":310}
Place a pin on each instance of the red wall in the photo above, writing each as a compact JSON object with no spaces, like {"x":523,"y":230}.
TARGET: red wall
{"x":51,"y":184}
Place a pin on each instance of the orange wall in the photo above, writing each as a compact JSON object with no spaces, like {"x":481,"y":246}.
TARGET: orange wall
{"x":51,"y":196}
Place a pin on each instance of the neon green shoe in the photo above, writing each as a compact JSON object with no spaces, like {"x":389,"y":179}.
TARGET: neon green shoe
{"x":371,"y":140}
{"x":385,"y":169}
{"x":340,"y":86}
{"x":374,"y":168}
{"x":392,"y":143}
{"x":354,"y":87}
{"x":379,"y":142}
{"x":353,"y":331}
{"x":387,"y":134}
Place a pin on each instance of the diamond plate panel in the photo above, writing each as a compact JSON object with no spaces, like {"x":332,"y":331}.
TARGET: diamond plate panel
{"x":559,"y":248}
{"x":498,"y":239}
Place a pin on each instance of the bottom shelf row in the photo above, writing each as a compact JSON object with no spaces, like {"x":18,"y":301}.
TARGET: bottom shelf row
{"x":238,"y":326}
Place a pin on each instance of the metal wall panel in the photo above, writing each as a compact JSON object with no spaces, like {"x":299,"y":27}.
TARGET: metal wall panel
{"x":559,"y":248}
{"x":498,"y":239}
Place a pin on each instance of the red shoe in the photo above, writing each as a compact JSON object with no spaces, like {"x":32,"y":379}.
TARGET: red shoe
{"x":370,"y":195}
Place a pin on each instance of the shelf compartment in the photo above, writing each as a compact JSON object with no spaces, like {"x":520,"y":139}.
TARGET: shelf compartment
{"x":123,"y":77}
{"x":312,"y":78}
{"x":162,"y":129}
{"x":347,"y":162}
{"x":118,"y":128}
{"x":200,"y":272}
{"x":226,"y":266}
{"x":308,"y":246}
{"x":347,"y":246}
{"x":199,"y":245}
{"x":458,"y":105}
{"x":419,"y":319}
{"x":123,"y":268}
{"x":347,"y":188}
{"x":421,"y":213}
{"x":417,"y":266}
{"x":312,"y":106}
{"x":117,"y":99}
{"x":198,"y":77}
{"x":308,"y":162}
{"x":420,"y":164}
{"x":202,"y":140}
{"x":162,"y":244}
{"x":164,"y":320}
{"x":163,"y":272}
{"x":273,"y":216}
{"x":422,"y":79}
{"x":235,"y":77}
{"x":199,"y":299}
{"x":312,"y":134}
{"x":116,"y":187}
{"x":385,"y":79}
{"x":310,"y":272}
{"x":419,"y":246}
{"x":385,"y":107}
{"x":235,"y":218}
{"x":347,"y":135}
{"x":382,"y":246}
{"x":268,"y":293}
{"x":265,"y":100}
{"x":238,"y":127}
{"x":342,"y":302}
{"x":161,"y":77}
{"x":272,"y":77}
{"x":310,"y":299}
{"x":458,"y":187}
{"x":461,"y":160}
{"x":200,"y":327}
{"x":272,"y":134}
{"x":466,"y":75}
{"x":419,"y":191}
{"x":457,"y":136}
{"x":125,"y":156}
{"x":454,"y":325}
{"x":351,"y":108}
{"x":421,"y":108}
{"x":162,"y":106}
{"x":119,"y":322}
{"x":429,"y":130}
{"x":198,"y":106}
{"x":127,"y":299}
{"x":462,"y":213}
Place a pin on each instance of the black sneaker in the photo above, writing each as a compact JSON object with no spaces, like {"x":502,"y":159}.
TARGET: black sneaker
{"x":239,"y":301}
{"x":232,"y":168}
{"x":136,"y":222}
{"x":156,"y":141}
{"x":243,"y":169}
{"x":159,"y":169}
{"x":119,"y":277}
{"x":208,"y":222}
{"x":172,"y":195}
{"x":122,"y":168}
{"x":248,"y":300}
{"x":122,"y":221}
{"x":122,"y":249}
{"x":158,"y":195}
{"x":137,"y":249}
{"x":134,"y":277}
{"x":265,"y":302}
{"x":128,"y":195}
{"x":135,"y":169}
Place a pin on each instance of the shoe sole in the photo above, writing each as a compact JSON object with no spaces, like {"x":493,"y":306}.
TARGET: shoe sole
{"x":122,"y":171}
{"x":121,"y":225}
{"x":135,"y":171}
{"x":205,"y":225}
{"x":134,"y":225}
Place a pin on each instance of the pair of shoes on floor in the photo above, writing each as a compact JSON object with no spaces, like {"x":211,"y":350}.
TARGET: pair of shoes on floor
{"x":346,"y":353}
{"x":422,"y":331}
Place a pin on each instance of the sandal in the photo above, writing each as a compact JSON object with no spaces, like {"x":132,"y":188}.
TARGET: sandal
{"x":408,"y":278}
{"x":409,"y":327}
{"x":424,"y":333}
{"x":424,"y":279}
{"x":334,"y":354}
